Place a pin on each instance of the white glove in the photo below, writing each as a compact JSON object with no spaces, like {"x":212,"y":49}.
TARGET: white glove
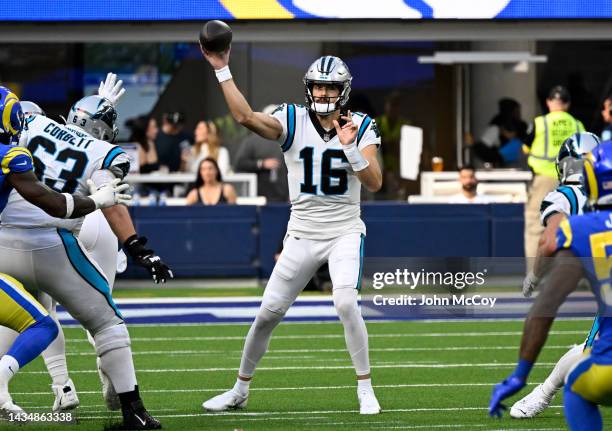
{"x":529,"y":284}
{"x":111,"y":89}
{"x":109,"y":194}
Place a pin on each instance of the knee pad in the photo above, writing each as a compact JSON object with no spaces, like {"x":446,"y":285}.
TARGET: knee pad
{"x":111,"y":338}
{"x":345,"y":301}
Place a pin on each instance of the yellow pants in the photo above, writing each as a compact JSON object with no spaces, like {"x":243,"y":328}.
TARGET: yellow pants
{"x":18,"y":309}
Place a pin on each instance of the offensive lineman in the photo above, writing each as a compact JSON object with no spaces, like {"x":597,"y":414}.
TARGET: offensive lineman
{"x":47,"y":255}
{"x":567,"y":200}
{"x":18,"y":309}
{"x":329,"y":153}
{"x":97,"y":238}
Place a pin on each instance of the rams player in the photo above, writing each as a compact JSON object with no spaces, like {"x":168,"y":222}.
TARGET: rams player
{"x":567,"y":200}
{"x":95,"y":235}
{"x":18,"y":309}
{"x":330,"y":153}
{"x":581,"y":248}
{"x":46,"y":254}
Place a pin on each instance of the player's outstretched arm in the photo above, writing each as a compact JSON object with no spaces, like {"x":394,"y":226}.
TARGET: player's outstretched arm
{"x":63,"y":205}
{"x":264,"y":125}
{"x":364,"y":162}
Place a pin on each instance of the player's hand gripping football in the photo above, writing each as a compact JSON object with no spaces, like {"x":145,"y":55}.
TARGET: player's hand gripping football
{"x":218,"y":60}
{"x":503,"y":390}
{"x":109,"y":194}
{"x":111,"y":89}
{"x":348,"y":132}
{"x":159,"y":271}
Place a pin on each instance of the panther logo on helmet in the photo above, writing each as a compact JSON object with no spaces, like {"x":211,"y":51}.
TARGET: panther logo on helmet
{"x":327,"y":70}
{"x":95,"y":115}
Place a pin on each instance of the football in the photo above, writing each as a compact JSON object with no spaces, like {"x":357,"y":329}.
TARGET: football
{"x":215,"y":36}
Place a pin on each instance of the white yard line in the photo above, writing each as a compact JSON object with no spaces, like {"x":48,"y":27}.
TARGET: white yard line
{"x":332,"y":336}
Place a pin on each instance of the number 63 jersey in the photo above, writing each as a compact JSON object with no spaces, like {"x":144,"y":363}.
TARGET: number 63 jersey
{"x":323,"y":189}
{"x":65,"y":157}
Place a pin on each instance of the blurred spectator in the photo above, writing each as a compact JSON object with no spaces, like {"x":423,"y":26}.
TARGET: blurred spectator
{"x":390,"y":125}
{"x":209,"y":188}
{"x":144,"y":131}
{"x":171,"y":141}
{"x":265,"y":158}
{"x":469,"y":183}
{"x":544,"y":140}
{"x":207,"y":144}
{"x":231,"y":134}
{"x":606,"y":115}
{"x":506,"y":126}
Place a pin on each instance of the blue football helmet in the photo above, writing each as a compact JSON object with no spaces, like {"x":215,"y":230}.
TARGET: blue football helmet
{"x":571,"y":154}
{"x":11,"y":117}
{"x":598,"y":175}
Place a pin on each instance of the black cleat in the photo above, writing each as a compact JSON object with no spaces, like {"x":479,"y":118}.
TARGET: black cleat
{"x":136,"y":417}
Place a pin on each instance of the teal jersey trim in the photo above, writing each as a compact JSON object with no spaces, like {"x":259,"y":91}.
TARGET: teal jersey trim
{"x":571,"y":197}
{"x":360,"y":263}
{"x":86,"y":269}
{"x":364,"y":126}
{"x":112,"y":154}
{"x":592,"y":333}
{"x":290,"y":128}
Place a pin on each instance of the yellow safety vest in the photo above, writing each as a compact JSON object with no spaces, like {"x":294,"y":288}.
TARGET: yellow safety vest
{"x":550,"y":132}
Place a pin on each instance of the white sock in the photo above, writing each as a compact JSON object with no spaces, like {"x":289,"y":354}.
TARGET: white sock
{"x":58,"y":369}
{"x":365,"y":384}
{"x":257,"y":340}
{"x":118,"y":366}
{"x":8,"y":368}
{"x":242,"y":387}
{"x":555,"y":380}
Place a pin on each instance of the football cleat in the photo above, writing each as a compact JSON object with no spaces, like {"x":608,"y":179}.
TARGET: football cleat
{"x":531,"y":405}
{"x":368,"y":404}
{"x":136,"y":417}
{"x":65,"y":397}
{"x":108,"y":390}
{"x":226,"y":401}
{"x":8,"y":409}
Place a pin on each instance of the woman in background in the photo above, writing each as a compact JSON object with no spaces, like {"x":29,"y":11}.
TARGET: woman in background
{"x":207,"y":144}
{"x":209,"y":188}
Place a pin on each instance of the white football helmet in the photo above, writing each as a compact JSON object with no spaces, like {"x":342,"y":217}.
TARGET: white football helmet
{"x":96,"y":115}
{"x":331,"y":71}
{"x":570,"y":157}
{"x":30,"y":108}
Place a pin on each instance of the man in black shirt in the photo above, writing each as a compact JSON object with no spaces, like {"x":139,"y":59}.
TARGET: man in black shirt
{"x":172,"y":140}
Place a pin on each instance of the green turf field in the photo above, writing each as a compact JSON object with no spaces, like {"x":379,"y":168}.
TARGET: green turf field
{"x":428,"y":376}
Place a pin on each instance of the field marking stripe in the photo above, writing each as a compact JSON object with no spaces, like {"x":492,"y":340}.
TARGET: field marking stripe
{"x":301,"y":368}
{"x":343,"y":350}
{"x":319,"y":336}
{"x":244,"y":415}
{"x":297,"y":388}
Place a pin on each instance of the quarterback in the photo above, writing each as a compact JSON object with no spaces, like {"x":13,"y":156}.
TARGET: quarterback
{"x":330,"y":152}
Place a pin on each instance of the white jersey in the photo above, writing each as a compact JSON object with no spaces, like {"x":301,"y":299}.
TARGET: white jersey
{"x":567,"y":199}
{"x":65,"y":157}
{"x":325,"y":193}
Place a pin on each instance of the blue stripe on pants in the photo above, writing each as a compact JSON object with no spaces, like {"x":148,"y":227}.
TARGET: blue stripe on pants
{"x":85,"y":268}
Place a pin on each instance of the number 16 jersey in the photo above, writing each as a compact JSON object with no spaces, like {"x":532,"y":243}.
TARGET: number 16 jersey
{"x":65,"y":157}
{"x":323,"y":189}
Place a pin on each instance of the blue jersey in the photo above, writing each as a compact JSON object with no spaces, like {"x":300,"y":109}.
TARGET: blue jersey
{"x":589,"y":237}
{"x":12,"y":159}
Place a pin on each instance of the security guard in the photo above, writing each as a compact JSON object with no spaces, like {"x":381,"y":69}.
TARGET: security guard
{"x":543,"y":142}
